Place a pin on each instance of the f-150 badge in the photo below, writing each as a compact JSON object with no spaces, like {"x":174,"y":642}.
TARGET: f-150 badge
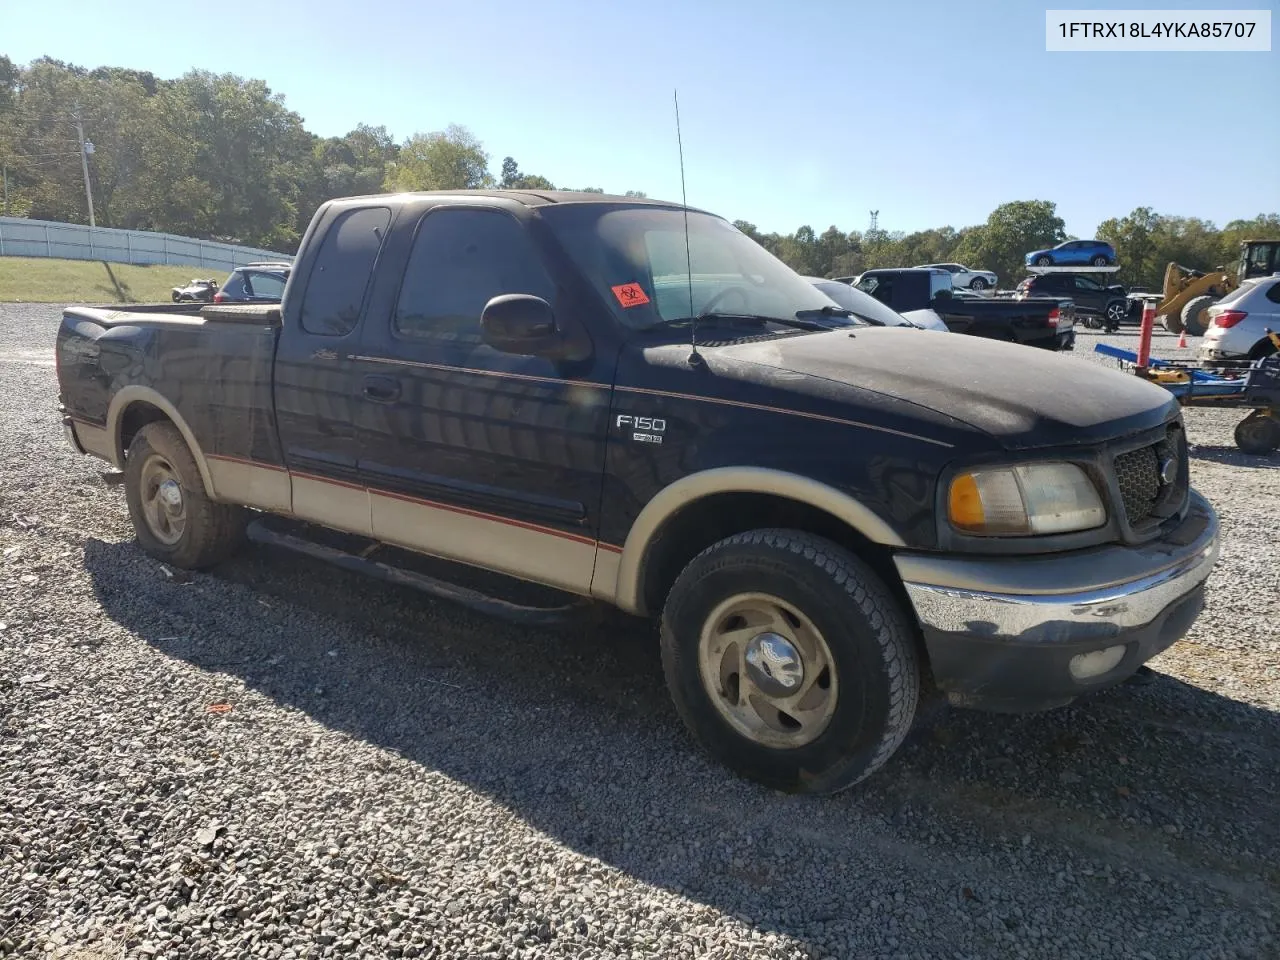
{"x":643,"y":429}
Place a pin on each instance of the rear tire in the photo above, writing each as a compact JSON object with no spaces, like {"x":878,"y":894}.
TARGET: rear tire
{"x":1193,"y":320}
{"x":1100,"y":261}
{"x":1258,"y":433}
{"x":174,"y":520}
{"x":739,"y":619}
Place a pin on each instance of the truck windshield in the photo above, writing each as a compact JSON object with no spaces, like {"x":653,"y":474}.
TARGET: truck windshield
{"x":635,"y":257}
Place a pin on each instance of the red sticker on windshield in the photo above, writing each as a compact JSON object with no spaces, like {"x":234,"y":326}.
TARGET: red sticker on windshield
{"x":630,"y":295}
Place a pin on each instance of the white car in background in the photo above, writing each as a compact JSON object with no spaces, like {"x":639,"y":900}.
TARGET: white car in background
{"x":1236,"y":326}
{"x":869,"y":308}
{"x":964,"y":278}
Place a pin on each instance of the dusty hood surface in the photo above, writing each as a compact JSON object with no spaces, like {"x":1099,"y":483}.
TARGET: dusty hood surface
{"x":1023,"y":396}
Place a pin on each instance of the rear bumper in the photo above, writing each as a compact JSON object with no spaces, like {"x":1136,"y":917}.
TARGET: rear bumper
{"x":1016,"y":634}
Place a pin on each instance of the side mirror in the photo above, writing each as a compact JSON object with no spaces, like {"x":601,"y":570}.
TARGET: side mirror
{"x":519,"y":323}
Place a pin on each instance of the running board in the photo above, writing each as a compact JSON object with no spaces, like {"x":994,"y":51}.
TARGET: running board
{"x":578,"y":612}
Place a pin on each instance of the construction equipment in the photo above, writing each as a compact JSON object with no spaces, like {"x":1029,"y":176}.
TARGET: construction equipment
{"x":1188,"y":292}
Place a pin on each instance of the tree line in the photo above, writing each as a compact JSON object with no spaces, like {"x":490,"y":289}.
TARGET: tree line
{"x":221,"y":157}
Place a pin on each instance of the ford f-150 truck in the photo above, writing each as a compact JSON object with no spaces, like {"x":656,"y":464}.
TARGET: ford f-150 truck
{"x":1040,"y":322}
{"x":821,"y":513}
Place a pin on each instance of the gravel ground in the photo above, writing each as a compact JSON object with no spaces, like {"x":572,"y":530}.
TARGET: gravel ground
{"x":396,"y":777}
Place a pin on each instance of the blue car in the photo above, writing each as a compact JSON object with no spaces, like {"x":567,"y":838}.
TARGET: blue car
{"x":1074,"y":253}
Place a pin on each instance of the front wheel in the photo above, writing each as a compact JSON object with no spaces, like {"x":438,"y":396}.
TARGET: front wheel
{"x":1116,"y":311}
{"x":978,"y":283}
{"x":1044,"y":261}
{"x":790,"y":661}
{"x":174,"y":520}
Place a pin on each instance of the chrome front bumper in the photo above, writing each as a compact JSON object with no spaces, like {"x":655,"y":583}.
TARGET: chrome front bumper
{"x":1005,"y":629}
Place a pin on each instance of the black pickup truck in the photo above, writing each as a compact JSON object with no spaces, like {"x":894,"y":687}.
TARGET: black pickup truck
{"x":1040,"y":322}
{"x":820,"y":512}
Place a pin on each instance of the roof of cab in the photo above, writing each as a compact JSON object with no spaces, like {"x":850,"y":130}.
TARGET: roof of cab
{"x":529,"y":198}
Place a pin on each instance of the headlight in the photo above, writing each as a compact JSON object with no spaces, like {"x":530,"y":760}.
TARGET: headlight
{"x":1026,"y":500}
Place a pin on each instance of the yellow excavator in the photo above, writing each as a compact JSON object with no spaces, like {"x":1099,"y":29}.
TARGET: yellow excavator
{"x":1187,"y":292}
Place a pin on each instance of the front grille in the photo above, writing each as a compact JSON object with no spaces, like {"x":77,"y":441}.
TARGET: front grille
{"x":1138,"y":473}
{"x":1147,"y":496}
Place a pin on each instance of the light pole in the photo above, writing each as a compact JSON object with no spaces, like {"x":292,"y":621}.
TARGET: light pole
{"x":85,"y":150}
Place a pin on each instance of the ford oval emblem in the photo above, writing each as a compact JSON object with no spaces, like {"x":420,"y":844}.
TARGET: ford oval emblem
{"x":1168,"y":470}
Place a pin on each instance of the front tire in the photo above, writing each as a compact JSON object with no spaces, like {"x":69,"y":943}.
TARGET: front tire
{"x":1115,"y":313}
{"x":790,"y":661}
{"x":1172,"y":322}
{"x":174,"y":520}
{"x":978,"y":283}
{"x":1044,"y":261}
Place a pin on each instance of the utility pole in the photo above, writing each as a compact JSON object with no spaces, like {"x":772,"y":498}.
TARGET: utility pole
{"x":6,"y":190}
{"x":84,"y":164}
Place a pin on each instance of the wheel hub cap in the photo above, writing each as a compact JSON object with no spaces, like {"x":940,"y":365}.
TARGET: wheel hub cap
{"x":767,"y":670}
{"x":774,"y":665}
{"x":171,"y":494}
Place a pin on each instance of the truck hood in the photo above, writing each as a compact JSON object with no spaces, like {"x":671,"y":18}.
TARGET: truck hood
{"x":1021,"y":396}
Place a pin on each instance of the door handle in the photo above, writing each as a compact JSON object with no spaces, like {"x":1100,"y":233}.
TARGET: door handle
{"x":382,"y":389}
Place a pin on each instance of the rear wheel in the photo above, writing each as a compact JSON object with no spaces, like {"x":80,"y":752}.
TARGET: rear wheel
{"x":1100,"y":261}
{"x":1258,"y":433}
{"x":1193,"y":318}
{"x":789,"y":660}
{"x":174,"y":520}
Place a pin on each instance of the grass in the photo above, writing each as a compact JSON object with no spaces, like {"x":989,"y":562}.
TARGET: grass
{"x":38,"y":280}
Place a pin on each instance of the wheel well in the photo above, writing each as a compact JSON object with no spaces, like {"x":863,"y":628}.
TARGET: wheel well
{"x":710,"y":519}
{"x":1263,"y":348}
{"x":136,"y":416}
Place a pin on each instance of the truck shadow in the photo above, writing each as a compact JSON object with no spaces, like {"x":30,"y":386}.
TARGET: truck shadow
{"x":1234,"y":457}
{"x":572,"y":730}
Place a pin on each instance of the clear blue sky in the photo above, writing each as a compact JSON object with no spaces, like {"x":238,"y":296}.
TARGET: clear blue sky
{"x":793,"y":113}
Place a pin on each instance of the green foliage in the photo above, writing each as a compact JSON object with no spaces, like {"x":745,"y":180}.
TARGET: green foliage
{"x":1146,"y":242}
{"x":513,"y":179}
{"x":221,"y":157}
{"x":451,"y":159}
{"x":1010,"y":232}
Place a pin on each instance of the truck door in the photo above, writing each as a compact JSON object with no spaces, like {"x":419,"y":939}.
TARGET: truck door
{"x":316,"y":377}
{"x":470,"y":453}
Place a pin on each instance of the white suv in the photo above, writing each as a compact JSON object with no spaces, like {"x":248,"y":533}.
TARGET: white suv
{"x":1237,"y":324}
{"x":964,"y":278}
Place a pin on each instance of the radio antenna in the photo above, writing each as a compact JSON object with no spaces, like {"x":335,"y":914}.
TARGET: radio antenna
{"x":695,"y":358}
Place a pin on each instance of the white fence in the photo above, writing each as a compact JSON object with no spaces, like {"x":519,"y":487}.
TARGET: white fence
{"x":71,"y":241}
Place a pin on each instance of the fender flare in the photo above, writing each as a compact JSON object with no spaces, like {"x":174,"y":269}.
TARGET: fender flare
{"x":671,"y":499}
{"x":129,"y":395}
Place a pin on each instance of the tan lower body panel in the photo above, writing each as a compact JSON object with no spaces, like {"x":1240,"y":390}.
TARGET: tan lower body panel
{"x":343,"y":506}
{"x":519,"y":549}
{"x":523,"y":550}
{"x":243,"y":481}
{"x":96,"y":440}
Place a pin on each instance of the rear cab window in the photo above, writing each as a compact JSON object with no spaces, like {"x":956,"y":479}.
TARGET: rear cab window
{"x":340,"y":276}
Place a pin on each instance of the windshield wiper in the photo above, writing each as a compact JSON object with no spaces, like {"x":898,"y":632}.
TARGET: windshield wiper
{"x":798,"y":321}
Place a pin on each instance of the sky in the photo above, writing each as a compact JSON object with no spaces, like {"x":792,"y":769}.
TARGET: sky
{"x":806,"y":112}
